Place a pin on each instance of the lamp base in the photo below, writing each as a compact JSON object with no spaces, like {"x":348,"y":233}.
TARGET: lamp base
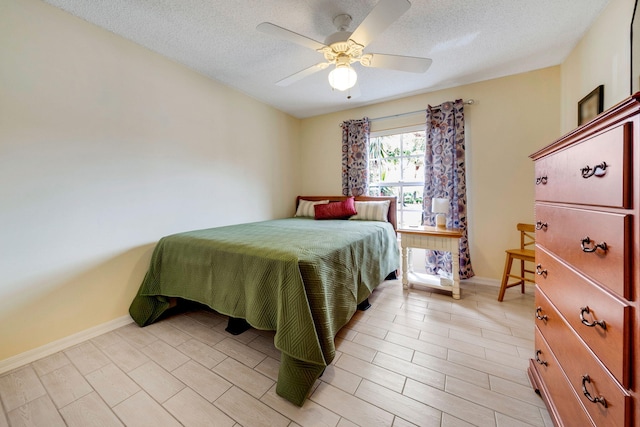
{"x":441,"y":221}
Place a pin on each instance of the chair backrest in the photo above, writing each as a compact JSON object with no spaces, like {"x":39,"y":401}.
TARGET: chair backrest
{"x":527,"y":236}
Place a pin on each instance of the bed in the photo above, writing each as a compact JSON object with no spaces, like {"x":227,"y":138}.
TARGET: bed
{"x":300,"y":277}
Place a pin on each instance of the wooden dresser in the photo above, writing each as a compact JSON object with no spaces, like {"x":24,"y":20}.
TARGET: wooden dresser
{"x":586,"y":365}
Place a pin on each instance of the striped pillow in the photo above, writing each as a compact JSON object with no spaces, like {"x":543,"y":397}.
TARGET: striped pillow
{"x":372,"y":211}
{"x":306,"y":207}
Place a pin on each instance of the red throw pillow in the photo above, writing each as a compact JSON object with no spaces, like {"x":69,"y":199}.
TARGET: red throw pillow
{"x":336,"y":210}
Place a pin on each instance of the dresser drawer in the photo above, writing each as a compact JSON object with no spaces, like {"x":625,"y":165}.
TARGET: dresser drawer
{"x":588,"y":378}
{"x":568,"y":175}
{"x":558,"y":389}
{"x":576,"y":298}
{"x":565,"y":231}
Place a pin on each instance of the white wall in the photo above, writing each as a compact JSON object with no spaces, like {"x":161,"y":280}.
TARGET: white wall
{"x":104,"y":148}
{"x":513,"y":117}
{"x":602,"y":57}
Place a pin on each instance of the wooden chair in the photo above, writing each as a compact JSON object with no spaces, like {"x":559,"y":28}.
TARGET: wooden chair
{"x":525,"y":253}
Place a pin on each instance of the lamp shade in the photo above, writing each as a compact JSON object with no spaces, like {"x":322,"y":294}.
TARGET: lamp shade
{"x":439,"y":205}
{"x":342,"y":77}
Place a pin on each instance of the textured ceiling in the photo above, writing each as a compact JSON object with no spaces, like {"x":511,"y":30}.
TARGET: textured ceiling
{"x":468,"y":40}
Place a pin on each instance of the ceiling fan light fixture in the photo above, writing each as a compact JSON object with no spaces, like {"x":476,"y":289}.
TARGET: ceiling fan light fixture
{"x":343,"y":77}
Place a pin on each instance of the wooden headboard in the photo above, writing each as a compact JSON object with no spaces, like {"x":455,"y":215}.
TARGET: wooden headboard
{"x":391,"y":215}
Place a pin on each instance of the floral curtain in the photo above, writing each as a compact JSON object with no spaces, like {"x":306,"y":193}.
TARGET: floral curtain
{"x":355,"y":157}
{"x":445,"y":177}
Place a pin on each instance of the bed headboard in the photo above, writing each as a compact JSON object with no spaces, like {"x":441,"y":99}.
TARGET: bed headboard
{"x":391,"y":215}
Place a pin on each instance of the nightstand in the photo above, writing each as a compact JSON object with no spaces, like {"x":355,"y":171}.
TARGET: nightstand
{"x":435,"y":238}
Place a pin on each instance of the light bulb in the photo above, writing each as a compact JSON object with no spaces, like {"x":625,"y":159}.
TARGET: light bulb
{"x":343,"y":77}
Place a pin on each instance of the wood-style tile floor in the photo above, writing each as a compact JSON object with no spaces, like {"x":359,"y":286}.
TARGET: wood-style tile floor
{"x":414,"y":358}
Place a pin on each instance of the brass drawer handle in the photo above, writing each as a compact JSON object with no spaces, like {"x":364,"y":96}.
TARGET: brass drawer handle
{"x":541,"y":225}
{"x":541,"y":180}
{"x":601,"y":400}
{"x":585,"y":322}
{"x":542,"y":317}
{"x":540,"y":271}
{"x":597,"y":170}
{"x":593,"y":247}
{"x":538,"y":361}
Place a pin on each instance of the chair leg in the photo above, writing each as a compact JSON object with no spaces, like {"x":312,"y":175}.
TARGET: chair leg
{"x":505,"y":277}
{"x":522,"y":275}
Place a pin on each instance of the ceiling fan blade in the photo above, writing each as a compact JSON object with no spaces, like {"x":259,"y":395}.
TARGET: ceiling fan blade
{"x":383,"y":14}
{"x":411,"y":64}
{"x":302,"y":74}
{"x":283,"y":33}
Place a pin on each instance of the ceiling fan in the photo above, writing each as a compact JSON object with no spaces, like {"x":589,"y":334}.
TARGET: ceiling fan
{"x":344,"y":48}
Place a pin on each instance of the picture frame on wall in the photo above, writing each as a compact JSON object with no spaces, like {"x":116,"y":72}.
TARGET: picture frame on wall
{"x":591,"y":105}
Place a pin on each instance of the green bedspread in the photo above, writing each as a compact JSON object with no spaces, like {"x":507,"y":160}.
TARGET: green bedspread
{"x":299,"y":277}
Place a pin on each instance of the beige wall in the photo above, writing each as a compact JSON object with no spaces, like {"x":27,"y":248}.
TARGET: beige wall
{"x":602,"y":57}
{"x":104,"y":148}
{"x":513,"y":117}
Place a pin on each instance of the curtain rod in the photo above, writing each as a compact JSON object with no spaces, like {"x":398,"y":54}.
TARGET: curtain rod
{"x":393,"y":116}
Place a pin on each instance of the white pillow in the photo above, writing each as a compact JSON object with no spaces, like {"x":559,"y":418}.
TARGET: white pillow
{"x":305,"y":207}
{"x":372,"y":211}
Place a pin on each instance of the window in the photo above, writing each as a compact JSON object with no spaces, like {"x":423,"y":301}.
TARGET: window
{"x":396,"y":168}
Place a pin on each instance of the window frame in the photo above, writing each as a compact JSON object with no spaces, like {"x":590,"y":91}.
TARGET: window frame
{"x":402,"y":212}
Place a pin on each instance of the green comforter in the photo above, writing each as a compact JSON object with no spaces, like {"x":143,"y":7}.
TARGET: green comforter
{"x":300,"y":277}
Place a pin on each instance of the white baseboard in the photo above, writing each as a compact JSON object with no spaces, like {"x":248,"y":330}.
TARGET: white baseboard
{"x":61,"y":344}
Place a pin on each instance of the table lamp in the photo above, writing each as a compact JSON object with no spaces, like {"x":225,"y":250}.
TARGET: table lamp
{"x":440,"y":207}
